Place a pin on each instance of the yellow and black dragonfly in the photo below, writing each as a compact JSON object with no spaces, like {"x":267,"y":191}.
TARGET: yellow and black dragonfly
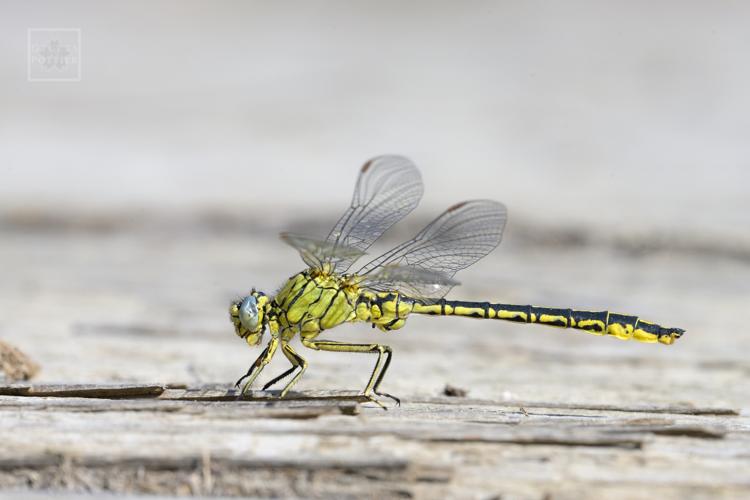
{"x":411,"y":278}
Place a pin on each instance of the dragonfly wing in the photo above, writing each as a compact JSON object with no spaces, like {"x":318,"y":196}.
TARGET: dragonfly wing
{"x":414,"y":281}
{"x":315,"y":252}
{"x":387,"y":189}
{"x":456,"y":239}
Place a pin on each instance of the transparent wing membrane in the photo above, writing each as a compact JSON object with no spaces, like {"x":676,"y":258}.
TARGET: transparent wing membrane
{"x":387,"y":189}
{"x":458,"y":238}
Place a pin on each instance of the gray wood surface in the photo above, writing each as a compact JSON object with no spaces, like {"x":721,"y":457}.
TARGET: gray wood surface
{"x":137,"y":360}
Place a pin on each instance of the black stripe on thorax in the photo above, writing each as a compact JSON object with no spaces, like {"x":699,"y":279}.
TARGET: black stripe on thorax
{"x":299,"y":293}
{"x":330,"y":303}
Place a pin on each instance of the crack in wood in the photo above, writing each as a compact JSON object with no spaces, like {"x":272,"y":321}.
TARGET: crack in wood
{"x":646,"y":408}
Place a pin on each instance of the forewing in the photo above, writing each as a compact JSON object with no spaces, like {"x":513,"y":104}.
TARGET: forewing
{"x":458,"y":238}
{"x":387,"y":189}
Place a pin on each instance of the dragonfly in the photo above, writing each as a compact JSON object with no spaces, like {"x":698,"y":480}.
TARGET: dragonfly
{"x":411,"y":278}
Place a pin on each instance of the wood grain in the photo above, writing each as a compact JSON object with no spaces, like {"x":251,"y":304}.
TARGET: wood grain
{"x":135,"y":395}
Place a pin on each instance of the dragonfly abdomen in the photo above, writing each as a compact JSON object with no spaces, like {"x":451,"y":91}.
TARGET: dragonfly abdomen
{"x":621,"y":326}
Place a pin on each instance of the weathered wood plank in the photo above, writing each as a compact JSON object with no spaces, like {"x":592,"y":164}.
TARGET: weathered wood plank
{"x":480,"y":430}
{"x":84,"y":390}
{"x":531,"y":412}
{"x":243,"y":409}
{"x":683,"y":409}
{"x":212,"y":393}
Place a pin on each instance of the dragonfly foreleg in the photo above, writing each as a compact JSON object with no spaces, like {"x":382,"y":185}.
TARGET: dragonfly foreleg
{"x":258,"y":365}
{"x":381,"y":365}
{"x":253,"y":366}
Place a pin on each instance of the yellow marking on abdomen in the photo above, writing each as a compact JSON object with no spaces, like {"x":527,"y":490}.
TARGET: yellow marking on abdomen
{"x":553,"y":320}
{"x":512,"y":315}
{"x":473,"y":312}
{"x":592,"y":326}
{"x":600,"y":323}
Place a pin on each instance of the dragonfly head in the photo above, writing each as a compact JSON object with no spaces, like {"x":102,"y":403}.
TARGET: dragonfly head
{"x":249,"y":317}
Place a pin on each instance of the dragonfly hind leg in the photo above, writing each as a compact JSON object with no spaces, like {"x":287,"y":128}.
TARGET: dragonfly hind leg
{"x":385,"y":353}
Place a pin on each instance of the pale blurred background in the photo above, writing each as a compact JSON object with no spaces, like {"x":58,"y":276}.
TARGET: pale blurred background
{"x":201,"y":129}
{"x":594,"y":112}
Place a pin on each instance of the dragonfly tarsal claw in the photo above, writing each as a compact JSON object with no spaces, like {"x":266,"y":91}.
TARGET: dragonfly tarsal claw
{"x":394,"y":398}
{"x":249,"y":372}
{"x":375,"y":400}
{"x":244,"y":387}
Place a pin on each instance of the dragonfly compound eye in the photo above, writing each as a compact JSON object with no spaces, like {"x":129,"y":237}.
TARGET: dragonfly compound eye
{"x":249,"y":313}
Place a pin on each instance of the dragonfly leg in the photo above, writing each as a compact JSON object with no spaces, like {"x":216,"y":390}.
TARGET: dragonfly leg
{"x":279,"y":377}
{"x":253,"y":366}
{"x":388,"y":356}
{"x":257,"y":366}
{"x":381,"y":365}
{"x":295,"y":359}
{"x":299,"y":361}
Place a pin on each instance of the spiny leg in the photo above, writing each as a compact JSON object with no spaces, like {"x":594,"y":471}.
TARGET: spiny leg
{"x":279,"y":377}
{"x":286,"y":373}
{"x":300,"y":361}
{"x":257,"y":367}
{"x":253,"y":366}
{"x":295,"y":359}
{"x":388,"y":356}
{"x":377,"y":373}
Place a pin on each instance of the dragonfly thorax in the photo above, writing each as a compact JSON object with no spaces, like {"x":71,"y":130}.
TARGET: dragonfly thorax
{"x":314,"y":300}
